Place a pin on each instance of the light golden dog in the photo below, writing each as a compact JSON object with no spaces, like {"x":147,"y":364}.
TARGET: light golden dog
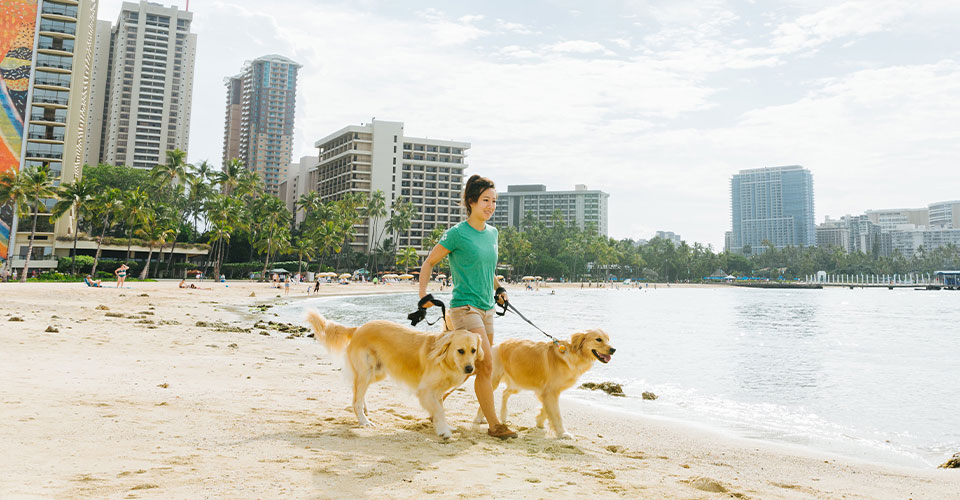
{"x":429,"y":363}
{"x":541,"y":367}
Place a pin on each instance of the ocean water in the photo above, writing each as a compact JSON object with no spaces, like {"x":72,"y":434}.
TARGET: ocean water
{"x":871,"y":374}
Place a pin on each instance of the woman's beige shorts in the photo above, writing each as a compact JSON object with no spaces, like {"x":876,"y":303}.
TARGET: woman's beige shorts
{"x":472,"y":318}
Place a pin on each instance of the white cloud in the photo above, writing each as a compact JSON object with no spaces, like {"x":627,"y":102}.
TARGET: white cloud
{"x":579,"y":47}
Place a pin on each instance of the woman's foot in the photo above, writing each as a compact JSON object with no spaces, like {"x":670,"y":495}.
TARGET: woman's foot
{"x":501,"y":431}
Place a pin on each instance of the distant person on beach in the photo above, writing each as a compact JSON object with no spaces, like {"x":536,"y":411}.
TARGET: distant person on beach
{"x":121,"y":274}
{"x":472,"y":248}
{"x":91,"y":282}
{"x":286,"y":285}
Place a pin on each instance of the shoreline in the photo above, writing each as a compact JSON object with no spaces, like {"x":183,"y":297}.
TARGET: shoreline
{"x":150,"y":405}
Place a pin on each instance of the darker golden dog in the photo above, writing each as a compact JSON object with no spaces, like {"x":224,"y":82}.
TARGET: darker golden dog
{"x":541,"y":367}
{"x":429,"y":363}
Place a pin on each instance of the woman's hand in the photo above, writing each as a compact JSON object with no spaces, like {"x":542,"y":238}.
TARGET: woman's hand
{"x":501,"y":296}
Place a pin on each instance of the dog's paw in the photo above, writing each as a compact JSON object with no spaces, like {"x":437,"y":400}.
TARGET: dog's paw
{"x":565,"y":435}
{"x":365,"y":423}
{"x":447,"y":434}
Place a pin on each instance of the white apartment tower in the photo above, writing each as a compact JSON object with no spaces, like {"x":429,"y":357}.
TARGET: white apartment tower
{"x":378,"y":156}
{"x":147,"y":96}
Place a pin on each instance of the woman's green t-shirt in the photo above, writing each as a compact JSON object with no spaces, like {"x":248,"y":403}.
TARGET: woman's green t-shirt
{"x":473,"y":264}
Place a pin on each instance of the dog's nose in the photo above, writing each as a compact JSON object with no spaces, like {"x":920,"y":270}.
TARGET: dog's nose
{"x":468,"y":369}
{"x":612,"y":350}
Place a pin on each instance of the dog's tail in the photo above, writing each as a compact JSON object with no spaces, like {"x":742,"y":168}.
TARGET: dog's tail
{"x":334,"y":335}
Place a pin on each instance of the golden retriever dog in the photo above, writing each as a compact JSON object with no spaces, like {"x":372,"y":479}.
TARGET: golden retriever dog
{"x":429,"y":363}
{"x":541,"y":367}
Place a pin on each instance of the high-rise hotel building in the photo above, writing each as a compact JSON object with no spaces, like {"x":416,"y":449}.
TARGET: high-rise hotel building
{"x":581,"y":207}
{"x":144,"y":93}
{"x":46,"y":52}
{"x":258,"y":128}
{"x":379,"y":156}
{"x":773,"y":205}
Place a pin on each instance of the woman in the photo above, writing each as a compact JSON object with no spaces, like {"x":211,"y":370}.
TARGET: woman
{"x":472,"y":247}
{"x":121,"y":274}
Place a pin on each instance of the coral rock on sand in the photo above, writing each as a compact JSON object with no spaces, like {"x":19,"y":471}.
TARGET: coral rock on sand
{"x":953,"y":463}
{"x":607,"y":387}
{"x":15,"y":318}
{"x":102,"y":307}
{"x":51,"y":329}
{"x":649,"y":395}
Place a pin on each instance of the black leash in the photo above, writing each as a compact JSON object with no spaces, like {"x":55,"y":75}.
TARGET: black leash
{"x":421,"y":312}
{"x":507,"y":305}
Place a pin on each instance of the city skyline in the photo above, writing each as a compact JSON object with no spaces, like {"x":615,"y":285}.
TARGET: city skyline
{"x":657,"y":104}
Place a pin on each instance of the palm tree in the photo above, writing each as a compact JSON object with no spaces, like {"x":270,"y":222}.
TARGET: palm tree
{"x":106,"y":205}
{"x":303,"y":247}
{"x":402,"y":218}
{"x":28,"y":192}
{"x":408,"y":258}
{"x":174,"y":170}
{"x":274,"y":226}
{"x":224,"y":214}
{"x":376,"y":208}
{"x":76,"y":196}
{"x":155,"y":229}
{"x":231,"y":176}
{"x":135,"y":211}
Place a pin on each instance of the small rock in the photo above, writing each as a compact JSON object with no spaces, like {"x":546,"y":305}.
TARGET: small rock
{"x":144,"y":295}
{"x":163,"y":385}
{"x":253,"y":294}
{"x":953,"y":463}
{"x":264,"y":332}
{"x":51,"y":329}
{"x":54,"y":317}
{"x":114,"y":315}
{"x":103,"y":307}
{"x":203,"y":324}
{"x":232,"y":346}
{"x":649,"y":396}
{"x":15,"y":318}
{"x":610,"y":388}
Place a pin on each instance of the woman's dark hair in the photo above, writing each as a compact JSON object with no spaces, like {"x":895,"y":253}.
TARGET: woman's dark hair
{"x":476,"y":185}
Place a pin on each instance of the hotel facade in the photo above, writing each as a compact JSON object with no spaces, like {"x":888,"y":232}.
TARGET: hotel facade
{"x":258,"y":126}
{"x":380,"y":156}
{"x":773,"y":204}
{"x":581,"y":206}
{"x":47,"y":68}
{"x":142,"y":97}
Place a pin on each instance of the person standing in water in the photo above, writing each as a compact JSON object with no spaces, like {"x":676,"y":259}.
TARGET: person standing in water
{"x":472,"y":247}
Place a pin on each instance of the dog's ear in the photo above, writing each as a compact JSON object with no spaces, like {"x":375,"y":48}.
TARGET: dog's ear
{"x":479,"y":347}
{"x":577,"y":341}
{"x":441,"y":345}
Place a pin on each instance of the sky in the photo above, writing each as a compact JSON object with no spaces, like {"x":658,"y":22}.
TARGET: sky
{"x":657,"y":103}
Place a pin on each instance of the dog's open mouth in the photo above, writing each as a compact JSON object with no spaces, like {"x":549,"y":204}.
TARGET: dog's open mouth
{"x":604,"y":358}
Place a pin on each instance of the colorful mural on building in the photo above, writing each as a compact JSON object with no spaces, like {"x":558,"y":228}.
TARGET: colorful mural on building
{"x":18,"y":22}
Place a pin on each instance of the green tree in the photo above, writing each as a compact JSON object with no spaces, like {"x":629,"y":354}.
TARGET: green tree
{"x":106,"y":206}
{"x":28,"y":192}
{"x":76,"y":197}
{"x":407,"y":258}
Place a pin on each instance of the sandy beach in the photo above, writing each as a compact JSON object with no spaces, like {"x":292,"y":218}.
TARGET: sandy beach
{"x":131,"y":398}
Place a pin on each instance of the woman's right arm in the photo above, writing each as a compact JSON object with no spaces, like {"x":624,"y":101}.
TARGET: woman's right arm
{"x":436,"y":255}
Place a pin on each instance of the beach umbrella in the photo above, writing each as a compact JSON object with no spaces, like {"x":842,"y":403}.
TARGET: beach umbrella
{"x":327,"y":274}
{"x":441,"y":276}
{"x":345,"y":275}
{"x":389,"y":276}
{"x":405,"y":276}
{"x":538,"y":278}
{"x":528,"y":278}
